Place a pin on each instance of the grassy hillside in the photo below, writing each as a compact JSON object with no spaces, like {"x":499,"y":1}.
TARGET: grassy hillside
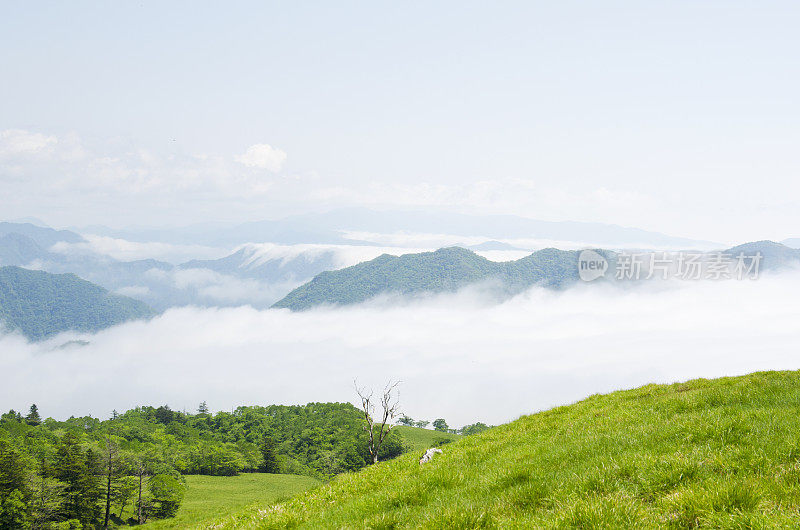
{"x":721,"y":453}
{"x":421,"y":439}
{"x":210,"y":497}
{"x":40,"y":304}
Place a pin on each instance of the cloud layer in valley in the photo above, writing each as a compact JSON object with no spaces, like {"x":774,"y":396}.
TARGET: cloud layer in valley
{"x":458,"y":356}
{"x":125,"y":250}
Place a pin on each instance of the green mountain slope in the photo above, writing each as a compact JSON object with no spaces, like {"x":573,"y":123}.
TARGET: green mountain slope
{"x":449,"y":269}
{"x":445,"y":270}
{"x":773,"y":255}
{"x":721,"y":453}
{"x":40,"y":304}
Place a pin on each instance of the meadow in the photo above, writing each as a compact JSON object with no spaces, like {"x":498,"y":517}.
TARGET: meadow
{"x":722,"y":453}
{"x":210,"y":497}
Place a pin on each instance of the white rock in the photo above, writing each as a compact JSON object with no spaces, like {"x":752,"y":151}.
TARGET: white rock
{"x":428,"y":456}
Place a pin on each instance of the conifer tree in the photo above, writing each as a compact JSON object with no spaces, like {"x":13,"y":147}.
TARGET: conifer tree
{"x":267,"y":448}
{"x":77,"y":469}
{"x":33,"y":417}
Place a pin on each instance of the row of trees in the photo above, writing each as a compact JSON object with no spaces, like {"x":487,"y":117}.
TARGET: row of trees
{"x":318,"y":439}
{"x":440,"y":424}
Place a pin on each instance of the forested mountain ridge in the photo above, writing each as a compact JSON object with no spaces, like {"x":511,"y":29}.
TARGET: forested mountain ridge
{"x":444,"y":270}
{"x":452,"y":268}
{"x":39,"y":304}
{"x":774,"y":255}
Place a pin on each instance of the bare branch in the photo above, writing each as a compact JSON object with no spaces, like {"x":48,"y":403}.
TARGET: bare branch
{"x":390,"y":406}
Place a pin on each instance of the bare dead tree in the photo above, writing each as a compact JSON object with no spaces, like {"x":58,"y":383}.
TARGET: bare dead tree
{"x":390,"y":406}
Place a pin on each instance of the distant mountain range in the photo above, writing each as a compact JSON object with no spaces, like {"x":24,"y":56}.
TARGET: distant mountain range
{"x":793,"y":242}
{"x":357,"y":226}
{"x":43,"y":236}
{"x":450,"y":269}
{"x":494,"y":245}
{"x":162,"y":285}
{"x":254,"y":261}
{"x":259,"y":274}
{"x":40,"y":305}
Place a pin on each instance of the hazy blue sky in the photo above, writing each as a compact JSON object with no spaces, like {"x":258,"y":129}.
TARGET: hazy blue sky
{"x":676,"y":116}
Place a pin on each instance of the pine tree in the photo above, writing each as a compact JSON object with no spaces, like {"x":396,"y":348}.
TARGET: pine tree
{"x":33,"y":416}
{"x":203,"y":408}
{"x":13,"y":471}
{"x":48,"y":492}
{"x":78,"y":470}
{"x":267,"y":448}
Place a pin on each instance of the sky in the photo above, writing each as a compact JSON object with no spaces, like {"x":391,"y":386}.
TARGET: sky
{"x":679,"y":117}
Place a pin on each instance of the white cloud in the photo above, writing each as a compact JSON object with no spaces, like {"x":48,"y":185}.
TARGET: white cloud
{"x":257,"y":254}
{"x":39,"y":166}
{"x":21,"y":142}
{"x":497,"y":361}
{"x":48,"y":173}
{"x":134,"y":291}
{"x":424,"y":241}
{"x":263,"y":156}
{"x":125,"y":250}
{"x":528,"y":197}
{"x":213,"y":288}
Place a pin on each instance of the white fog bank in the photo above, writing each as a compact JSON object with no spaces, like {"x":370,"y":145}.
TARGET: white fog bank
{"x":458,"y":357}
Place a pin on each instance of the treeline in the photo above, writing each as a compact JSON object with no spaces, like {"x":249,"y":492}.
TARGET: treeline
{"x":87,"y":472}
{"x":68,"y":482}
{"x":317,"y":439}
{"x":84,"y":470}
{"x":440,"y":424}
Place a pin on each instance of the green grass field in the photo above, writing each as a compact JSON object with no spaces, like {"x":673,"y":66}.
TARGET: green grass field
{"x":421,"y":439}
{"x":208,"y":498}
{"x":721,"y":453}
{"x":211,"y":497}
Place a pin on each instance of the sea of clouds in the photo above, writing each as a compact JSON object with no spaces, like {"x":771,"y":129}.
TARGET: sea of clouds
{"x":459,"y":356}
